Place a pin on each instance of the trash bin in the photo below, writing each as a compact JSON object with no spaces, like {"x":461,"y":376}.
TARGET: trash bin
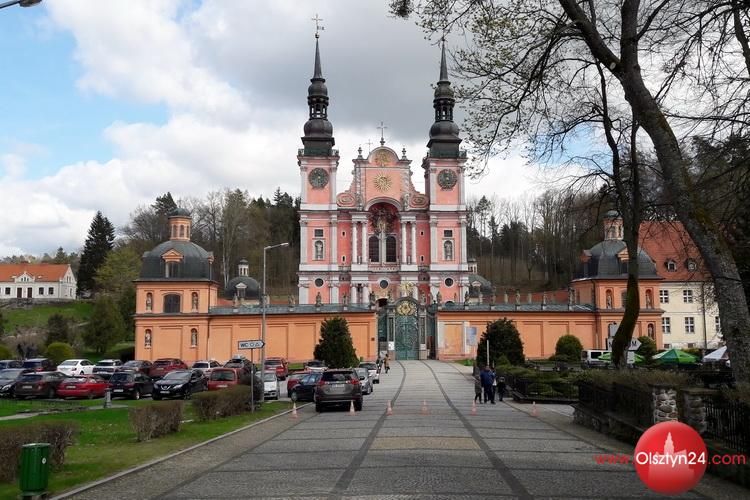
{"x":34,"y":468}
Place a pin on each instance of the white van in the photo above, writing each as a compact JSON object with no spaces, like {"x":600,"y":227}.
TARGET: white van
{"x":590,"y":357}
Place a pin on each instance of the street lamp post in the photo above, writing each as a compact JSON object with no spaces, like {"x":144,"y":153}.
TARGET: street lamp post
{"x":263,"y":317}
{"x":22,"y":3}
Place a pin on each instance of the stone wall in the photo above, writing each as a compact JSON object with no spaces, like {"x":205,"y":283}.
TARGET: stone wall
{"x":664,"y":403}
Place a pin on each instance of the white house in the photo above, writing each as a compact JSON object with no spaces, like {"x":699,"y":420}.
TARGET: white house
{"x":37,"y":282}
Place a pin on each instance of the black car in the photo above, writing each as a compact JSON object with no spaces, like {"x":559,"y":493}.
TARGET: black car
{"x":8,"y":379}
{"x":305,"y":388}
{"x":10,"y":363}
{"x":130,"y":384}
{"x":180,"y":384}
{"x":39,"y":365}
{"x":137,"y":365}
{"x":38,"y":384}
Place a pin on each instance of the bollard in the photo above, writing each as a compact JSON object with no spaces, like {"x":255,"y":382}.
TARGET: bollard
{"x":34,"y":470}
{"x":108,"y":398}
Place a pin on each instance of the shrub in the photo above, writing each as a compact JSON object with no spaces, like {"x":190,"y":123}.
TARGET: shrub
{"x":569,"y":347}
{"x":504,"y":339}
{"x":5,"y":352}
{"x":647,"y":348}
{"x":257,"y":386}
{"x":58,"y":434}
{"x":637,"y":379}
{"x":59,"y":352}
{"x":223,"y":403}
{"x":156,"y":419}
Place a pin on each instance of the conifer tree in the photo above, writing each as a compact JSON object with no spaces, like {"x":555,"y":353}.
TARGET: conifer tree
{"x":106,"y":327}
{"x":98,"y":244}
{"x":58,"y":329}
{"x":335,"y":347}
{"x":504,"y":340}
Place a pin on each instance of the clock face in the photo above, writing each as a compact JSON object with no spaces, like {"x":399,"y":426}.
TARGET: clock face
{"x":447,"y":179}
{"x":406,"y":309}
{"x":382,"y":182}
{"x":318,"y":178}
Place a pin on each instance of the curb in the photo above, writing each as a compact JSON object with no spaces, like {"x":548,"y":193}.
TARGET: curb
{"x":159,"y":460}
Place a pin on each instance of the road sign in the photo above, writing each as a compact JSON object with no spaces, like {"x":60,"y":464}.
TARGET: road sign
{"x":634,"y":345}
{"x":250,"y":344}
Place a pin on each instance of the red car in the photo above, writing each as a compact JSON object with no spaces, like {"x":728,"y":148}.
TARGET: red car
{"x":84,"y":386}
{"x":279,"y":365}
{"x":162,"y":366}
{"x":293,"y":380}
{"x":221,"y":378}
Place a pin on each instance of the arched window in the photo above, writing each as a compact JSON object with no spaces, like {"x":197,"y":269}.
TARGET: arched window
{"x":390,"y":249}
{"x":172,"y":303}
{"x":609,"y":299}
{"x":193,"y":338}
{"x":174,"y":231}
{"x":650,"y":331}
{"x":182,"y":231}
{"x":374,"y":249}
{"x":172,"y":270}
{"x":149,"y":302}
{"x":671,"y":266}
{"x":624,"y":298}
{"x":194,"y":301}
{"x":448,"y":250}
{"x":147,"y":339}
{"x":318,"y":250}
{"x":649,"y":299}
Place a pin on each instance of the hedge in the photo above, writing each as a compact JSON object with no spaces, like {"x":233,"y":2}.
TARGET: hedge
{"x":156,"y":419}
{"x":224,"y":403}
{"x":58,"y":434}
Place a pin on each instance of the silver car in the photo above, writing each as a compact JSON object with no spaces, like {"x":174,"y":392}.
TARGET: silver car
{"x":365,"y":379}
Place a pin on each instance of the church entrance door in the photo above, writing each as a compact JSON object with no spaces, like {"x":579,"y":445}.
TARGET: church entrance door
{"x":406,"y":332}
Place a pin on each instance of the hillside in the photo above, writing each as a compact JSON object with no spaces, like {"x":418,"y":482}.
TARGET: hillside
{"x":37,"y":315}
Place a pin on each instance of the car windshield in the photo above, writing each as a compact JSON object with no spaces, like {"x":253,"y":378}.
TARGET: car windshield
{"x":121,"y":377}
{"x":315,"y":363}
{"x":223,"y":375}
{"x":273,"y":361}
{"x":337,"y":376}
{"x":106,"y":363}
{"x":10,"y":374}
{"x":201,"y":365}
{"x":69,"y":363}
{"x":31,"y":378}
{"x":32,"y":364}
{"x":76,"y":380}
{"x":369,"y":366}
{"x":132,"y":364}
{"x":177,"y":376}
{"x":362,"y":373}
{"x":162,"y":362}
{"x":297,"y":376}
{"x":269,"y":377}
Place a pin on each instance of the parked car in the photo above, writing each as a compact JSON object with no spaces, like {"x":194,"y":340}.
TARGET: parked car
{"x":10,"y":363}
{"x":162,"y":366}
{"x":180,"y":384}
{"x":82,"y":386}
{"x":72,"y":367}
{"x":240,"y":363}
{"x":39,"y":365}
{"x":8,"y":379}
{"x":338,"y":386}
{"x":270,"y":385}
{"x":279,"y":365}
{"x":206,"y":366}
{"x":590,"y":357}
{"x":138,"y":366}
{"x":38,"y":384}
{"x":130,"y":384}
{"x":221,"y":378}
{"x":365,"y":380}
{"x":304,"y":390}
{"x":293,"y":379}
{"x":315,"y":366}
{"x":106,"y":367}
{"x":373,"y":369}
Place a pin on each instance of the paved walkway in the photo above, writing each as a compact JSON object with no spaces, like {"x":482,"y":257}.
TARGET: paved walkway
{"x":445,"y":452}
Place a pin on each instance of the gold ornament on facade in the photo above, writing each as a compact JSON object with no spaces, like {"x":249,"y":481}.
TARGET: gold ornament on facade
{"x":383,"y":182}
{"x":406,"y":308}
{"x":382,"y":158}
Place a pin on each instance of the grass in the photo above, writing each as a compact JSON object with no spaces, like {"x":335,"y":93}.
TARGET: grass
{"x":13,"y":406}
{"x":38,"y":315}
{"x":107,"y":444}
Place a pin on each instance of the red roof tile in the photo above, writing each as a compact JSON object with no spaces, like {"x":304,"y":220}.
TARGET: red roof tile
{"x":665,"y":241}
{"x":41,"y":272}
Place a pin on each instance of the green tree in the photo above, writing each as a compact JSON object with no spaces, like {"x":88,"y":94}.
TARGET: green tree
{"x":126,"y":306}
{"x":5,"y":352}
{"x":59,"y":352}
{"x":106,"y":327}
{"x":116,"y":276}
{"x":58,"y":329}
{"x":98,"y":244}
{"x":3,"y":322}
{"x":647,"y":348}
{"x":570,"y":347}
{"x":504,"y":340}
{"x":335,"y":347}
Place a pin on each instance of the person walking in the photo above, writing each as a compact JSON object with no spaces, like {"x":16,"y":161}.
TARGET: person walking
{"x":385,"y":363}
{"x":500,"y":388}
{"x":477,"y":388}
{"x":487,"y":379}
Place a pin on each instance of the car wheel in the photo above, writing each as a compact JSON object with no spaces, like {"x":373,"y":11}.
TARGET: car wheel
{"x":294,"y":397}
{"x":187,"y":394}
{"x":90,"y":395}
{"x":137,"y":394}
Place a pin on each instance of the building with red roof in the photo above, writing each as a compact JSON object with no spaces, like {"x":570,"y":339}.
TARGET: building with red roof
{"x":37,"y":281}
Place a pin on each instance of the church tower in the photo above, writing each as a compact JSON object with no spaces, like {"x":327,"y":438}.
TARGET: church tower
{"x":318,"y":163}
{"x":444,"y":170}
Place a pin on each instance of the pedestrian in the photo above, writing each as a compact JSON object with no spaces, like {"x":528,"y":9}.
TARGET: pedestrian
{"x":487,"y":379}
{"x":385,"y":363}
{"x":494,"y":382}
{"x":500,"y":388}
{"x":477,"y":388}
{"x":475,"y":371}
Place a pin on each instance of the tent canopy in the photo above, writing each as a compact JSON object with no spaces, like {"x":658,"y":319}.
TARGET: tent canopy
{"x":675,"y":356}
{"x":719,"y":354}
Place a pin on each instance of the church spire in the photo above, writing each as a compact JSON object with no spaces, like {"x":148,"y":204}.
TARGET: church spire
{"x":318,"y":139}
{"x":444,"y":138}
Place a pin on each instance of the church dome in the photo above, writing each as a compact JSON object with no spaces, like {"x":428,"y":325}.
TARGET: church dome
{"x":180,"y":212}
{"x":444,"y":128}
{"x":252,"y":288}
{"x":318,"y":127}
{"x":194,"y":262}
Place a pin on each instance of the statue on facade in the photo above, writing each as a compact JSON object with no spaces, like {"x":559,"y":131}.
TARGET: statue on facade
{"x":318,"y":300}
{"x":291,"y":300}
{"x":195,"y":301}
{"x":544,"y":298}
{"x":518,"y":297}
{"x":149,"y":302}
{"x":493,"y":298}
{"x":235,"y":300}
{"x":466,"y":297}
{"x":439,"y":298}
{"x":390,"y":298}
{"x":345,"y":299}
{"x":571,"y":297}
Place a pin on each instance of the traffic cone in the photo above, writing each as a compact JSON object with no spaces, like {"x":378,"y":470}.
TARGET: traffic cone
{"x":534,"y":411}
{"x":388,"y":409}
{"x":294,"y":410}
{"x":474,"y":408}
{"x":425,"y":410}
{"x":351,"y":408}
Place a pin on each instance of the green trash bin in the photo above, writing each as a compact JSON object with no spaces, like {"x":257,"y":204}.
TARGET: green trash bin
{"x":34,"y":468}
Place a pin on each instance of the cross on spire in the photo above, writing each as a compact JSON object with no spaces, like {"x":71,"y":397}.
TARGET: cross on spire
{"x":318,"y":27}
{"x":382,"y":130}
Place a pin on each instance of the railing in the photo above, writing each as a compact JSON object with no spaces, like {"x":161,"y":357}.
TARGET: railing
{"x":595,"y":398}
{"x":634,"y":403}
{"x":728,"y":422}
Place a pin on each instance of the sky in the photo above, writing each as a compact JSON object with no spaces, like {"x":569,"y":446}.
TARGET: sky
{"x":107,"y":105}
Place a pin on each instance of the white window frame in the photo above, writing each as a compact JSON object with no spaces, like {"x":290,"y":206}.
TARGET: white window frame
{"x":666,"y":325}
{"x":717,"y":324}
{"x":318,"y":233}
{"x":663,"y":296}
{"x":671,"y":266}
{"x":687,"y":296}
{"x":689,"y":324}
